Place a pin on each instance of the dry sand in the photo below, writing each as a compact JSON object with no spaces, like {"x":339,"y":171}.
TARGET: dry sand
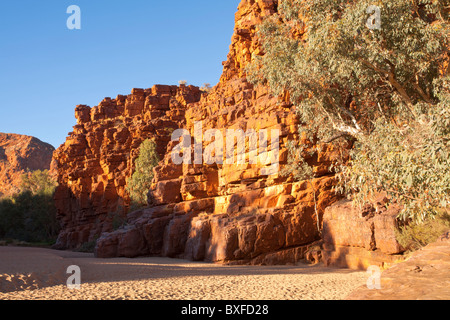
{"x":31,"y":273}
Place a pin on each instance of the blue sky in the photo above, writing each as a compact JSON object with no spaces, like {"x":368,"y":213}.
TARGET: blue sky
{"x":47,"y":69}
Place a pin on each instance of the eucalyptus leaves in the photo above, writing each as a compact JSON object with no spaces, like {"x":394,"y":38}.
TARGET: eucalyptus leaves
{"x":384,"y":90}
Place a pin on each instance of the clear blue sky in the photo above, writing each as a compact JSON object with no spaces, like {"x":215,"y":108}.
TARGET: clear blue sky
{"x":47,"y":69}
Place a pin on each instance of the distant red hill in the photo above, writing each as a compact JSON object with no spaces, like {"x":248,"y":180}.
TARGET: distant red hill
{"x":19,"y":154}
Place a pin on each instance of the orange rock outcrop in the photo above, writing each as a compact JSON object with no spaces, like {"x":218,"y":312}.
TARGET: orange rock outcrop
{"x":358,"y":238}
{"x":18,"y":155}
{"x":229,"y":212}
{"x":98,"y":156}
{"x":235,"y":213}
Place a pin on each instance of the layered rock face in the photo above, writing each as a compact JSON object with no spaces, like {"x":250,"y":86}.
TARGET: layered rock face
{"x":19,"y":154}
{"x":218,"y":211}
{"x":359,"y":238}
{"x":243,"y":211}
{"x":236,"y":213}
{"x":98,"y":156}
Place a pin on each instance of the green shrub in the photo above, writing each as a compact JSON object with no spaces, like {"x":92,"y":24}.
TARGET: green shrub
{"x":38,"y":182}
{"x":117,"y":218}
{"x":88,"y":247}
{"x":206,"y":88}
{"x":140,"y":182}
{"x":418,"y":235}
{"x":30,"y":216}
{"x":119,"y":124}
{"x":169,"y":131}
{"x":412,"y":164}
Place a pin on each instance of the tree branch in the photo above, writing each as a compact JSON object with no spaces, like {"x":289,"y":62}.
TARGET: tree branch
{"x":424,"y":96}
{"x":338,"y":136}
{"x":393,"y":81}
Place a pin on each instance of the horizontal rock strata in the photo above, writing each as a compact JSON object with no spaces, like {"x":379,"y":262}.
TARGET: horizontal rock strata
{"x":358,"y":238}
{"x":98,"y":156}
{"x":244,"y":212}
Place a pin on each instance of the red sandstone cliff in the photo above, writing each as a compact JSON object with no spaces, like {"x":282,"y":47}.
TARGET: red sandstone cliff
{"x":19,"y":154}
{"x":201,"y":212}
{"x":98,"y":156}
{"x":227,"y":213}
{"x":230,"y":212}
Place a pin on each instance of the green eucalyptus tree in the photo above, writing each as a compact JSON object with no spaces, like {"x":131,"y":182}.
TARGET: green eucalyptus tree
{"x":140,"y":182}
{"x":374,"y":73}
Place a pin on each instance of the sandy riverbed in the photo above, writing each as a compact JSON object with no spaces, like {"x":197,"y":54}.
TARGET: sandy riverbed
{"x":31,"y":273}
